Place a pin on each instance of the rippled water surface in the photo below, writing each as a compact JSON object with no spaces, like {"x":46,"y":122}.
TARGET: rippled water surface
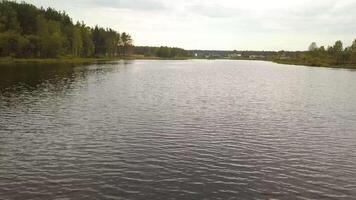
{"x":177,"y":130}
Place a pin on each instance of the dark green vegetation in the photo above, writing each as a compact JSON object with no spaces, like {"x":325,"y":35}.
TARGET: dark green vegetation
{"x":29,"y":32}
{"x":162,"y":52}
{"x":332,"y":56}
{"x":70,"y":60}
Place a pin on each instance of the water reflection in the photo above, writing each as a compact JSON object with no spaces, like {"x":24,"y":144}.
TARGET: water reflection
{"x":57,"y":77}
{"x":177,"y":130}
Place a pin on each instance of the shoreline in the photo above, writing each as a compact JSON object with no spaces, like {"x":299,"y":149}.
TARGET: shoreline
{"x":79,"y":60}
{"x":10,"y":61}
{"x":297,"y":63}
{"x":75,"y":60}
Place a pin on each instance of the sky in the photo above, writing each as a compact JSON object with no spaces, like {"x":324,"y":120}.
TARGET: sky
{"x":220,"y":24}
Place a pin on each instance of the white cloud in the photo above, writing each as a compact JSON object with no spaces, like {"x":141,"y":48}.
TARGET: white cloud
{"x":143,"y":5}
{"x":220,"y":24}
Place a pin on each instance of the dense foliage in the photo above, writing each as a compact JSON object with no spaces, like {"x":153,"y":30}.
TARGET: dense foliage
{"x":335,"y":55}
{"x":27,"y":31}
{"x":162,"y":52}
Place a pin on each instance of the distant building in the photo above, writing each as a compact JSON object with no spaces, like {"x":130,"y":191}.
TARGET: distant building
{"x":284,"y":57}
{"x":234,"y":55}
{"x":257,"y":57}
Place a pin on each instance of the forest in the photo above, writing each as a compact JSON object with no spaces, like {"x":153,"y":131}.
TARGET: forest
{"x":162,"y":52}
{"x":30,"y":32}
{"x":332,"y":56}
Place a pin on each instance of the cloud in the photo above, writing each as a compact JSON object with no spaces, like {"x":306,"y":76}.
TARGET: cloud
{"x":327,"y":18}
{"x":214,"y":11}
{"x":220,"y":24}
{"x":141,"y":5}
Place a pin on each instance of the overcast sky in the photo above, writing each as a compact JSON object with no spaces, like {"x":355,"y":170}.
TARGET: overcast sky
{"x":220,"y":24}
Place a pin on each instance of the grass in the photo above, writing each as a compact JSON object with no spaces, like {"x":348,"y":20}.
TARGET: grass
{"x":71,"y":60}
{"x":77,"y":60}
{"x":313,"y":64}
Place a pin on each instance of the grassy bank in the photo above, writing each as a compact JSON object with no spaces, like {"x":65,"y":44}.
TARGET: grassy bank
{"x":70,"y":60}
{"x":78,"y":60}
{"x":313,"y":64}
{"x":141,"y":57}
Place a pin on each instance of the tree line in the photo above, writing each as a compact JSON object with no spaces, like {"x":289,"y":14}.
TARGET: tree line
{"x":30,"y":32}
{"x":161,"y":52}
{"x":336,"y":54}
{"x":331,"y":56}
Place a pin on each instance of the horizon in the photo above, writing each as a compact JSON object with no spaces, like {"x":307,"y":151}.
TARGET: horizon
{"x":219,"y":25}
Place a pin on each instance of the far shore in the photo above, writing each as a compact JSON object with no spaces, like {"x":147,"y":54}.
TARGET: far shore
{"x":298,"y":63}
{"x":74,"y":60}
{"x":77,"y":60}
{"x":81,"y":60}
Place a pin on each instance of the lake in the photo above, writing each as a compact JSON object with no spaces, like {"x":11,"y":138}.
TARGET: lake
{"x":193,"y":129}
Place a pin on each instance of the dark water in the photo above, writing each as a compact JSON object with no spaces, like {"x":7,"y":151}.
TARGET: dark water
{"x":177,"y":130}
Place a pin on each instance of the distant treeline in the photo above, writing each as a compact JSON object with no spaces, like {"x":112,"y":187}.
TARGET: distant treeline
{"x":30,"y":32}
{"x":161,"y":52}
{"x":229,"y":54}
{"x":335,"y":55}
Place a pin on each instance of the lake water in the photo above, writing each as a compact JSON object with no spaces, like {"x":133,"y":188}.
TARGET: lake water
{"x":195,"y":129}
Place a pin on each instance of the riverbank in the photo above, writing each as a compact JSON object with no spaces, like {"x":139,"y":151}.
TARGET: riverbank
{"x":78,"y":60}
{"x":311,"y":64}
{"x":70,"y":60}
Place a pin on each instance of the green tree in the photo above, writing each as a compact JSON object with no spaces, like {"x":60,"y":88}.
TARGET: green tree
{"x":50,"y":37}
{"x":338,"y":47}
{"x":51,"y":45}
{"x":313,"y":46}
{"x":99,"y":41}
{"x":28,"y":31}
{"x":353,"y":46}
{"x":77,"y":42}
{"x":88,"y":44}
{"x":13,"y":44}
{"x":8,"y":19}
{"x":112,"y":41}
{"x":126,"y":43}
{"x":352,"y":58}
{"x":338,"y":52}
{"x":322,"y":49}
{"x":33,"y":49}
